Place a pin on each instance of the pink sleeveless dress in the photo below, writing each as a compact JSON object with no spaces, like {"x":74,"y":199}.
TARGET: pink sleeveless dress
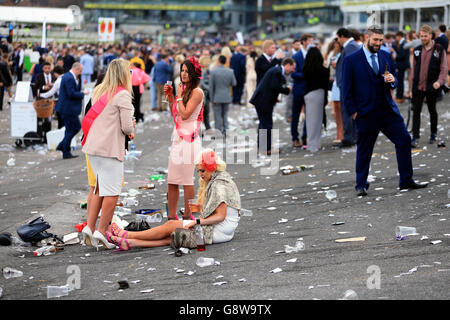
{"x":183,"y":153}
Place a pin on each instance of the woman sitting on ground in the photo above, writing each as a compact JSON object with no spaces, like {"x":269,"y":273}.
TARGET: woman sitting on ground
{"x":219,"y":202}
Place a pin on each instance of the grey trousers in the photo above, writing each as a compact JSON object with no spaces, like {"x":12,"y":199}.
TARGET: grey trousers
{"x":221,"y":116}
{"x":314,"y":102}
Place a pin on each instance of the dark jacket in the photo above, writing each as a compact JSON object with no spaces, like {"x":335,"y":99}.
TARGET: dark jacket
{"x":351,"y":47}
{"x":5,"y":74}
{"x":434,"y":68}
{"x":317,"y":79}
{"x":267,"y":91}
{"x":359,"y":80}
{"x":70,"y":96}
{"x":40,"y":82}
{"x":443,"y":41}
{"x":262,"y":65}
{"x":402,"y":58}
{"x":297,"y":75}
{"x":237,"y":63}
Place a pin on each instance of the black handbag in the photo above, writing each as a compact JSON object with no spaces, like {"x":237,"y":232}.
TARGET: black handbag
{"x":137,"y":226}
{"x":34,"y":231}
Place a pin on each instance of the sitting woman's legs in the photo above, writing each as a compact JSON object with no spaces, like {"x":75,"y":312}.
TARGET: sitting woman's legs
{"x":155,"y":237}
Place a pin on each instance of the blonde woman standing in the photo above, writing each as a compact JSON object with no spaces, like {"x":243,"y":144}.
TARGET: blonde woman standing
{"x":105,"y":126}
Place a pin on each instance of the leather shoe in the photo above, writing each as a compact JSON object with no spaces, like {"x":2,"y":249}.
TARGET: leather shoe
{"x":361,"y":192}
{"x":296,"y":144}
{"x":414,"y":185}
{"x":70,"y":156}
{"x":59,"y":147}
{"x":414,"y":143}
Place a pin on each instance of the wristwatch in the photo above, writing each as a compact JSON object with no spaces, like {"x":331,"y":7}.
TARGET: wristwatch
{"x":198,"y":221}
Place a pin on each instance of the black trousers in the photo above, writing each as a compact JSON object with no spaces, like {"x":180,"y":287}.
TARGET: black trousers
{"x":137,"y":104}
{"x":401,"y":83}
{"x":265,"y":129}
{"x":2,"y":96}
{"x":417,"y":102}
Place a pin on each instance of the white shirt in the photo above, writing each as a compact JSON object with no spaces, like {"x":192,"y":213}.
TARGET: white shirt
{"x":74,"y":76}
{"x":47,"y":78}
{"x":304,"y":51}
{"x":269,"y":58}
{"x":53,"y":90}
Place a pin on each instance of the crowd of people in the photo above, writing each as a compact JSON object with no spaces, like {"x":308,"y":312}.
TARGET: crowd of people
{"x":361,"y":75}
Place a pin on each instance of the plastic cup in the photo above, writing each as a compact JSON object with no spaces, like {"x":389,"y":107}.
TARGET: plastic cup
{"x":56,"y":292}
{"x":194,"y":206}
{"x":401,"y":232}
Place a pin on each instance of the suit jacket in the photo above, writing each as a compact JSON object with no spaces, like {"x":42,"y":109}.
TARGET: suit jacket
{"x":70,"y":96}
{"x":402,"y":58}
{"x":351,"y":47}
{"x":40,"y":82}
{"x":443,"y":41}
{"x":262,"y":65}
{"x":237,"y":63}
{"x":358,"y":80}
{"x":297,"y":76}
{"x":88,"y":64}
{"x":5,"y":74}
{"x":220,"y":81}
{"x":267,"y":91}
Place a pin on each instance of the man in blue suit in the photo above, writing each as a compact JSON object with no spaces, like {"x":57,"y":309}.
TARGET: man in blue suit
{"x":237,"y":63}
{"x":69,"y":107}
{"x":265,"y":97}
{"x":299,"y":89}
{"x":87,"y":60}
{"x":367,"y":81}
{"x":349,"y":46}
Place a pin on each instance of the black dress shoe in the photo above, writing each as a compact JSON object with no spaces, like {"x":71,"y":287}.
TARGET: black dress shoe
{"x":414,"y":185}
{"x":345,"y":144}
{"x":361,"y":192}
{"x":59,"y":148}
{"x":71,"y":156}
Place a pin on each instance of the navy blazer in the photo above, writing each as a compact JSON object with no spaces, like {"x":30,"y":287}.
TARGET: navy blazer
{"x":70,"y":96}
{"x":358,"y":80}
{"x":297,"y":75}
{"x":267,"y":91}
{"x":262,"y":65}
{"x":402,"y":58}
{"x":351,"y":47}
{"x":443,"y":41}
{"x":237,"y":63}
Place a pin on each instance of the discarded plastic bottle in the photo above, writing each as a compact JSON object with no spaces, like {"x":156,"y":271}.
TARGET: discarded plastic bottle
{"x":128,"y":202}
{"x":56,"y":292}
{"x":11,"y":273}
{"x":331,"y":195}
{"x":289,"y":171}
{"x":246,"y":213}
{"x":156,"y":177}
{"x":46,"y":251}
{"x":199,"y":237}
{"x":1,"y":291}
{"x":130,"y":158}
{"x":154,"y":218}
{"x":350,"y":295}
{"x":205,"y":262}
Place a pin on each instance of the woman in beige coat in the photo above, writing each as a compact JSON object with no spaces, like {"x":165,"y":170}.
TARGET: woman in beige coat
{"x":105,"y":146}
{"x":250,"y":79}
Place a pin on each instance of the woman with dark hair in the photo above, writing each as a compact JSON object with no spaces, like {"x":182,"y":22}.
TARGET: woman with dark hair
{"x":188,"y":116}
{"x":316,"y":90}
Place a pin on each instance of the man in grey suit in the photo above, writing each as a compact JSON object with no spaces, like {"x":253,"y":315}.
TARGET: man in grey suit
{"x":349,"y":46}
{"x":220,"y":81}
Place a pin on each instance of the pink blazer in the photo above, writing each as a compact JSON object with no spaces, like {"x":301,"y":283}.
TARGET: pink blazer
{"x":139,"y":78}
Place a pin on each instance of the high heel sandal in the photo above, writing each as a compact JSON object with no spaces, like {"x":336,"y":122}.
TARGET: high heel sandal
{"x":189,"y":218}
{"x":88,"y":238}
{"x":100,"y":238}
{"x":115,"y":230}
{"x":123,"y":244}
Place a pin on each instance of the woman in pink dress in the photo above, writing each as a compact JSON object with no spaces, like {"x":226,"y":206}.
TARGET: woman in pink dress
{"x":187,"y":112}
{"x":138,"y":79}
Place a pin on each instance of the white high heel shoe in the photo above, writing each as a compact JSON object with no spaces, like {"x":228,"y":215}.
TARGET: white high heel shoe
{"x":88,"y":238}
{"x":101,"y":238}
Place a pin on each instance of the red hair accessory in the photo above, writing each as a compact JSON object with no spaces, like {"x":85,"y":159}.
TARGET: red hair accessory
{"x":197,"y":66}
{"x":209,"y":161}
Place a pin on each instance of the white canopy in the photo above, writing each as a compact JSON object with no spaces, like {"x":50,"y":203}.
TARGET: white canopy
{"x":37,"y":15}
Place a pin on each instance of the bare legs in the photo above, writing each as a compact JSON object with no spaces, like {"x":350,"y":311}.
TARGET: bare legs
{"x":95,"y":203}
{"x":155,"y":237}
{"x":338,"y":117}
{"x":173,"y":196}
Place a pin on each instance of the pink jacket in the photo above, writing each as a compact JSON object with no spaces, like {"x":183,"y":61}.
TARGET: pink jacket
{"x":139,"y":78}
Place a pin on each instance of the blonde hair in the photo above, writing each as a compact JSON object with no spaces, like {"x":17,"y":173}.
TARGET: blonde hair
{"x":205,"y":61}
{"x":226,"y":52}
{"x":221,"y":166}
{"x":180,"y":58}
{"x":267,"y":44}
{"x":426,"y":28}
{"x":117,"y":74}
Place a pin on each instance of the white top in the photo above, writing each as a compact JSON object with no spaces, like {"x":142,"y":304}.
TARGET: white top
{"x":53,"y":90}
